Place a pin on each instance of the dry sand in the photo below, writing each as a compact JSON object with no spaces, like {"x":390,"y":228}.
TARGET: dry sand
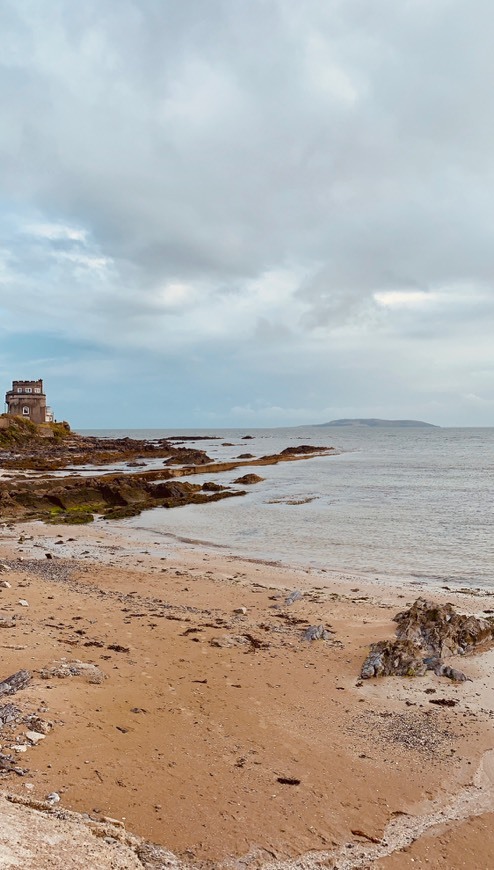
{"x":203,"y":712}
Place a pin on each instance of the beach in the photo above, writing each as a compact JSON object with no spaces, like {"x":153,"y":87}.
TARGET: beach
{"x":207,"y":724}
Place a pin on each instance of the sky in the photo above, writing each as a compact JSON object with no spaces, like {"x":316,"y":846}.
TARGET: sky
{"x":245,"y":213}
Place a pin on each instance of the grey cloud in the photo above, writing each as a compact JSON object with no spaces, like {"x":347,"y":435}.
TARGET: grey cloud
{"x":217,"y":144}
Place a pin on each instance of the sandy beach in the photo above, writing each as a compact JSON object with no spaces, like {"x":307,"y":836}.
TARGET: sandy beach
{"x":208,"y":725}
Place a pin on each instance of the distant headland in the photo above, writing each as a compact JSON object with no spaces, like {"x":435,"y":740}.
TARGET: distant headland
{"x":374,"y":423}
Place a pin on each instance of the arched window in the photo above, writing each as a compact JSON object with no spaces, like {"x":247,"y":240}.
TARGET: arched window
{"x":25,"y":411}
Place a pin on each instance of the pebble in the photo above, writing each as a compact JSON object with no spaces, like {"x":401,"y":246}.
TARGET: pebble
{"x":296,"y":595}
{"x":52,"y":798}
{"x":4,"y":584}
{"x":23,"y":602}
{"x":34,"y":736}
{"x":242,"y":610}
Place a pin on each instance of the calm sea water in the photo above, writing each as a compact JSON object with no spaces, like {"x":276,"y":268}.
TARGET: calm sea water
{"x":407,"y":504}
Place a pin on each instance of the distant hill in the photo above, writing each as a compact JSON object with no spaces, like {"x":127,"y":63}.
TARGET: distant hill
{"x":374,"y":423}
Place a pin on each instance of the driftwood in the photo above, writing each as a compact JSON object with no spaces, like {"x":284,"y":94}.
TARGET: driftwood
{"x":15,"y":682}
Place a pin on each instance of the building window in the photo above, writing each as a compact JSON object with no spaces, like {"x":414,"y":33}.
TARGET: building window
{"x":19,"y":389}
{"x":25,"y":411}
{"x":37,"y":389}
{"x":29,"y":389}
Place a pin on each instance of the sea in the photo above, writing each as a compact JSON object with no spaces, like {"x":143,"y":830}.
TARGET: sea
{"x":393,"y":504}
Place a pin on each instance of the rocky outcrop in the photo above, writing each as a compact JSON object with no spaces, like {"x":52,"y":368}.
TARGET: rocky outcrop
{"x":76,"y":500}
{"x":186,"y":455}
{"x":426,"y":633}
{"x":438,"y":628}
{"x":18,"y":433}
{"x":23,"y":445}
{"x":302,"y":450}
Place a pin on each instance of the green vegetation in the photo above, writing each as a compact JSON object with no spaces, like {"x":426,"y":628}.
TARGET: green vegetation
{"x":71,"y":516}
{"x":20,"y":431}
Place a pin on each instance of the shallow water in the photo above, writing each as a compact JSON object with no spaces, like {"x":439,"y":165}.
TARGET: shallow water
{"x":406,"y":504}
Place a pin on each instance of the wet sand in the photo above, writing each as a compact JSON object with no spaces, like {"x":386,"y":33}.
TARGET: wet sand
{"x":223,"y":735}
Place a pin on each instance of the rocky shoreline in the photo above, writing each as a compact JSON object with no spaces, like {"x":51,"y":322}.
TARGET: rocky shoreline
{"x":76,"y":499}
{"x":229,"y":713}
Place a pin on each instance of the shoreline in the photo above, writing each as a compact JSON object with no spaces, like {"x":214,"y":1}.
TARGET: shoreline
{"x":221,"y":719}
{"x":183,"y":545}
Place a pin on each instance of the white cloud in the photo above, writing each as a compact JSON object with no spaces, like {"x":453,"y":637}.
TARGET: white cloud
{"x":403,"y":298}
{"x":56,"y":232}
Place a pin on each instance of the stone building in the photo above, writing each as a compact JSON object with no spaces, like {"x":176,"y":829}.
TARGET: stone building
{"x":27,"y":399}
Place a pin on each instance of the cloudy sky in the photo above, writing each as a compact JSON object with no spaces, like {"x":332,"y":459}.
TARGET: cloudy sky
{"x":248,"y":212}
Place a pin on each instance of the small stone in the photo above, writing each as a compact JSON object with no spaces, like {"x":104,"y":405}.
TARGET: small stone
{"x":29,"y":786}
{"x":241,"y":610}
{"x":6,"y":621}
{"x":23,"y":602}
{"x":20,"y":747}
{"x":315,"y":632}
{"x":296,"y":595}
{"x":4,"y":584}
{"x":34,"y":736}
{"x":3,"y":568}
{"x":52,"y":798}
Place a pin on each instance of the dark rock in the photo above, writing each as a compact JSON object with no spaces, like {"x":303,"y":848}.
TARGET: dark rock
{"x":438,"y":628}
{"x":9,"y":713}
{"x":433,"y":663}
{"x":248,"y":479}
{"x":188,"y":456}
{"x":386,"y":657}
{"x":426,"y":632}
{"x":301,"y":450}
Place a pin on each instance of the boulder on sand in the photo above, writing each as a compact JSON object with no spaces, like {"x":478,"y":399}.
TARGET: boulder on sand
{"x":426,"y":633}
